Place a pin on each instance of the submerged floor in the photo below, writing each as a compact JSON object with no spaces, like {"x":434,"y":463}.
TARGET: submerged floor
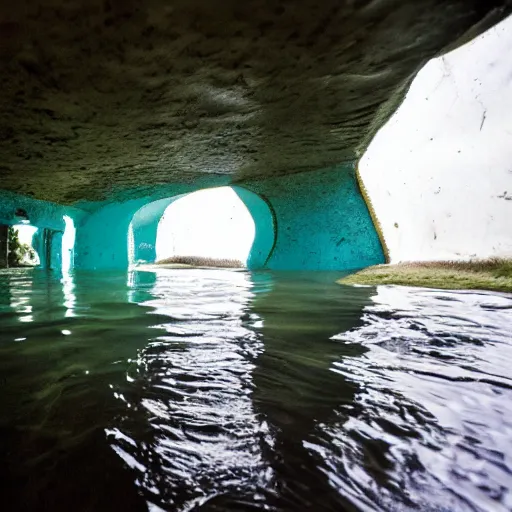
{"x":187,"y":390}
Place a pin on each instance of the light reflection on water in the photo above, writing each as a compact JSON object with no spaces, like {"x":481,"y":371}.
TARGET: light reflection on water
{"x":222,"y":390}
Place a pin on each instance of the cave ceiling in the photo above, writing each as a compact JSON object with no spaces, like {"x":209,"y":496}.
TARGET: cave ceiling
{"x":113,"y":95}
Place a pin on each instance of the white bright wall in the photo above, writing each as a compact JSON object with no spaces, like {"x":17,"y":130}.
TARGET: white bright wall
{"x":212,"y":223}
{"x":439,"y":173}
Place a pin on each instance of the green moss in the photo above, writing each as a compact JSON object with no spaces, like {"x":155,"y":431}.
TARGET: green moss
{"x":200,"y":261}
{"x":492,"y":274}
{"x":373,"y":215}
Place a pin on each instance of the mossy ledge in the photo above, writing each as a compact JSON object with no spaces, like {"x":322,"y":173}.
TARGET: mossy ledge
{"x":200,"y":261}
{"x":490,"y":274}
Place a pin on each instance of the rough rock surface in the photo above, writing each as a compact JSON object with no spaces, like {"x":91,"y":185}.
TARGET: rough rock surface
{"x":102,"y":96}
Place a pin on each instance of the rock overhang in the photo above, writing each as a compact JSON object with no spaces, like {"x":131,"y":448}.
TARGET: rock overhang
{"x":108,"y":99}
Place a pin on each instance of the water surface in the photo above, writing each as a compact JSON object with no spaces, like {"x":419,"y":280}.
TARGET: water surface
{"x":210,"y":390}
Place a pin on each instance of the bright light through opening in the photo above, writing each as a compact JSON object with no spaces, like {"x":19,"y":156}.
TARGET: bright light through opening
{"x":439,"y":173}
{"x":131,"y":244}
{"x":68,"y":244}
{"x":211,"y":223}
{"x":26,"y":234}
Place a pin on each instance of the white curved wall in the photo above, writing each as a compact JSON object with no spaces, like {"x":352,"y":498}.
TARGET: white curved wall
{"x":439,"y":173}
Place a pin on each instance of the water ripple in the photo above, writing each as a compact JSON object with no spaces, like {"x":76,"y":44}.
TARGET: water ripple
{"x":437,"y":398}
{"x":196,"y":390}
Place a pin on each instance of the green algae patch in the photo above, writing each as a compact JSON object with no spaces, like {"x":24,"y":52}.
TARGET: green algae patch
{"x":492,"y":274}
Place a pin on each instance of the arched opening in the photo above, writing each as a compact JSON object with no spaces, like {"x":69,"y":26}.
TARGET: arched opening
{"x":21,"y":251}
{"x":226,"y":226}
{"x":206,"y":226}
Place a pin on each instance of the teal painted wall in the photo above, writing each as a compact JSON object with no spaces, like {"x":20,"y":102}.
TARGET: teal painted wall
{"x":322,"y":221}
{"x":43,"y":215}
{"x":264,"y":224}
{"x":102,"y":238}
{"x":55,"y":262}
{"x":145,"y":228}
{"x":311,"y":221}
{"x":38,"y":245}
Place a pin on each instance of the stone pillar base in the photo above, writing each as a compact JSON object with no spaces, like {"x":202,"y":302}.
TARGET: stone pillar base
{"x":4,"y":246}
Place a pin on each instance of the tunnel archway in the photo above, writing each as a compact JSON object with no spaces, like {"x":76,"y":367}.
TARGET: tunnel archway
{"x":148,"y":225}
{"x":307,"y":221}
{"x":211,"y":225}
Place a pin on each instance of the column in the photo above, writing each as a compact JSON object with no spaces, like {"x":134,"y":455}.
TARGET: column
{"x":4,"y":246}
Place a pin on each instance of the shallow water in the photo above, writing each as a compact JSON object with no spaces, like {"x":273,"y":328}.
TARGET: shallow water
{"x":209,"y":390}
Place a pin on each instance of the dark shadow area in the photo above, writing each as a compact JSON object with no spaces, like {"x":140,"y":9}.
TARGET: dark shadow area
{"x":294,"y":387}
{"x":219,"y":408}
{"x":215,"y":390}
{"x":56,"y":382}
{"x":188,"y":389}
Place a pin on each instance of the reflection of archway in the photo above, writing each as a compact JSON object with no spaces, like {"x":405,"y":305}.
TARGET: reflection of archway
{"x":229,"y":392}
{"x":144,"y":228}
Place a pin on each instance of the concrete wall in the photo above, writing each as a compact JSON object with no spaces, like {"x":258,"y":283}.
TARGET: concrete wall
{"x":102,"y":237}
{"x":440,"y":172}
{"x":45,"y":216}
{"x":315,"y":221}
{"x":439,"y":175}
{"x":321,"y":221}
{"x":264,"y":228}
{"x":145,"y":229}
